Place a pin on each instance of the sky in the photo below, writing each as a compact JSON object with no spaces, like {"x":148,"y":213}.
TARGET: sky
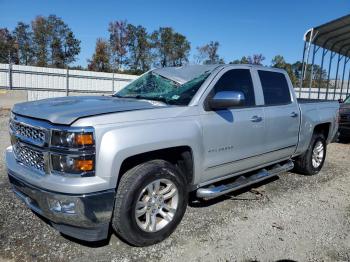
{"x":269,"y":27}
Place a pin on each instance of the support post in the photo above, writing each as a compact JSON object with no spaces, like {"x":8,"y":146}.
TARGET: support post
{"x":336,"y":75}
{"x":67,"y":82}
{"x":347,"y":89}
{"x":10,"y":76}
{"x":113,"y":82}
{"x":312,"y":68}
{"x":302,"y":70}
{"x":329,"y":73}
{"x":324,"y":52}
{"x":346,"y":60}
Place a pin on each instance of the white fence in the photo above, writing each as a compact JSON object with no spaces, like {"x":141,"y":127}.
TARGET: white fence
{"x":323,"y":93}
{"x":43,"y":82}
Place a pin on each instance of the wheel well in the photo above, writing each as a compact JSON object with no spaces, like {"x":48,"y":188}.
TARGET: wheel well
{"x":179,"y":156}
{"x":323,"y":129}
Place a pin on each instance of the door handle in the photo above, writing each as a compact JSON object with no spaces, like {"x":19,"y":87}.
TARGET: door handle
{"x":256,"y":119}
{"x":293,"y":114}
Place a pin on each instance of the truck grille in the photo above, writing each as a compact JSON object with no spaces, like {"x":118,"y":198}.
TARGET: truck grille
{"x":30,"y":133}
{"x":29,"y":157}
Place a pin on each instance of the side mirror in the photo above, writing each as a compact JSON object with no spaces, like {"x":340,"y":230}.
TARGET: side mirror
{"x":341,"y":101}
{"x":226,"y":99}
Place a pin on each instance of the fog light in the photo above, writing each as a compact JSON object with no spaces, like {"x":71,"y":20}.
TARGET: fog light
{"x":58,"y":206}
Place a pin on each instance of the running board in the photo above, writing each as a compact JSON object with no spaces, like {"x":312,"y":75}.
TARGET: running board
{"x":243,"y":181}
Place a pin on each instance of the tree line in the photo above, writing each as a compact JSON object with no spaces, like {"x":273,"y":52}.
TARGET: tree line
{"x":49,"y":41}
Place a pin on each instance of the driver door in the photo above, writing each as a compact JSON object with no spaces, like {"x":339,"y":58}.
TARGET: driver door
{"x":233,"y":138}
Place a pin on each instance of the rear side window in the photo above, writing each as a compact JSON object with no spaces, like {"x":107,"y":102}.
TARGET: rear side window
{"x":275,"y":88}
{"x":237,"y":80}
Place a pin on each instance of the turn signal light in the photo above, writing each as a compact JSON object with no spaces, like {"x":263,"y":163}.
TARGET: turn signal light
{"x":84,"y":165}
{"x":84,"y":139}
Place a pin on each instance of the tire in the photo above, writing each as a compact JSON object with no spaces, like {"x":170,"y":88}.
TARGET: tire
{"x":304,"y":164}
{"x":133,"y":187}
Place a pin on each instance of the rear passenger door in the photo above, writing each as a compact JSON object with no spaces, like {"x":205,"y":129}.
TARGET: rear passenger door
{"x":282,"y":116}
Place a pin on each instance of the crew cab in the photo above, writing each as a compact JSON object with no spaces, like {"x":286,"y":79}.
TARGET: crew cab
{"x":129,"y":161}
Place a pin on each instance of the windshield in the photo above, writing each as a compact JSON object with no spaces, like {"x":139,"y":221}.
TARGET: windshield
{"x":154,"y":86}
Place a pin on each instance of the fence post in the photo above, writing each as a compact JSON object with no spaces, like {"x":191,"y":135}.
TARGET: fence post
{"x":67,"y":82}
{"x":10,"y":75}
{"x":113,"y":82}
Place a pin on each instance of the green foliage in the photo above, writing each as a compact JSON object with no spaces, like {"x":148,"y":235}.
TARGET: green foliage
{"x":54,"y":43}
{"x":279,"y":62}
{"x":101,"y":58}
{"x":133,"y":50}
{"x":139,"y":47}
{"x":171,"y":48}
{"x":256,"y":59}
{"x":8,"y":50}
{"x":47,"y":42}
{"x":24,"y":39}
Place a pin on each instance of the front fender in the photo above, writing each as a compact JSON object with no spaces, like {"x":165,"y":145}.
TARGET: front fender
{"x":117,"y":144}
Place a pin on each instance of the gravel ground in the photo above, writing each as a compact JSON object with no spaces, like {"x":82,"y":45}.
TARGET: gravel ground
{"x":294,"y":217}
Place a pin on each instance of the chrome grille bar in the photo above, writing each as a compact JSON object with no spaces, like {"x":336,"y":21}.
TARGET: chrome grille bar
{"x":30,"y":134}
{"x":29,"y":157}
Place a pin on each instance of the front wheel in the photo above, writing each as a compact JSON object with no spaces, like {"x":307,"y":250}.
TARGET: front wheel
{"x":311,"y":162}
{"x":151,"y":201}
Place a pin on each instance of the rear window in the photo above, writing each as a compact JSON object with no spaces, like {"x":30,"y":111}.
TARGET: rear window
{"x":275,"y":88}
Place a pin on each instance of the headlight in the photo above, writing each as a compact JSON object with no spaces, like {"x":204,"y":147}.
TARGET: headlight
{"x":70,"y":139}
{"x":82,"y":165}
{"x":73,"y":151}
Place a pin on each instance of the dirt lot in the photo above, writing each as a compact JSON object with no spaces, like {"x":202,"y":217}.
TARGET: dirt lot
{"x":294,"y":217}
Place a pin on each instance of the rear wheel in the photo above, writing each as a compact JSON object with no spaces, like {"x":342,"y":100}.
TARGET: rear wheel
{"x":151,"y":201}
{"x":311,"y":162}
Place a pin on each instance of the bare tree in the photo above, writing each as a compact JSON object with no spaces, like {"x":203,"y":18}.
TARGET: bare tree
{"x":208,"y":54}
{"x":257,"y":59}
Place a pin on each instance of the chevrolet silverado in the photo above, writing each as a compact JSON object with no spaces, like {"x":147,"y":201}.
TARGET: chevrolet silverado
{"x":129,"y":161}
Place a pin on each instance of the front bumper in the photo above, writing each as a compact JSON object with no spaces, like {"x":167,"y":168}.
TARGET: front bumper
{"x":82,"y":216}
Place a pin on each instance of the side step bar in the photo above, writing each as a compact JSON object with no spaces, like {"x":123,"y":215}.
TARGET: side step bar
{"x":243,"y":181}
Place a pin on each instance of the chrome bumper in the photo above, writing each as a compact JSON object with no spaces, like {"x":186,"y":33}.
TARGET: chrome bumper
{"x":82,"y":216}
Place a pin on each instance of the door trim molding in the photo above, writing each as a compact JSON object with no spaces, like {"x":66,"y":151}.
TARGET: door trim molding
{"x":245,"y":158}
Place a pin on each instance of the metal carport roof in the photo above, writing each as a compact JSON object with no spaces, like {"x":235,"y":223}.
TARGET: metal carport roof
{"x":334,"y":35}
{"x":333,"y":38}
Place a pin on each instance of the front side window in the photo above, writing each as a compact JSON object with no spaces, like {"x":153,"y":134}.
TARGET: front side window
{"x":275,"y":88}
{"x":237,"y":80}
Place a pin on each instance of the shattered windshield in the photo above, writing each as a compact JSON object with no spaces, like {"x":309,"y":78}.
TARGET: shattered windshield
{"x":165,"y":88}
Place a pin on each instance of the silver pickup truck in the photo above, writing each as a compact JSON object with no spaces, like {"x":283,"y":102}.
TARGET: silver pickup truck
{"x":130,"y":161}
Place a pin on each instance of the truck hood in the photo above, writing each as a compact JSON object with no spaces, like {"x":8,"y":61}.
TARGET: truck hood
{"x":66,"y":110}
